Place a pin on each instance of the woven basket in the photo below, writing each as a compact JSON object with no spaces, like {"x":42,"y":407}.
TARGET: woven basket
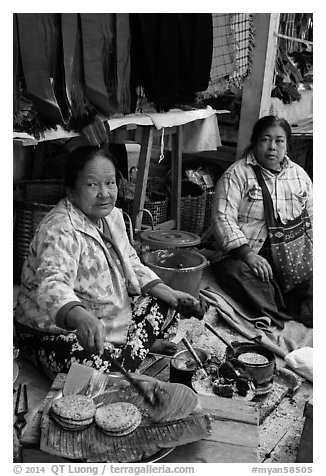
{"x":157,"y":202}
{"x":193,"y":201}
{"x":32,"y":200}
{"x":158,"y":209}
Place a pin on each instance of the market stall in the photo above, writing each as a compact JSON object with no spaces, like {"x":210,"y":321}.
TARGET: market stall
{"x":69,"y":92}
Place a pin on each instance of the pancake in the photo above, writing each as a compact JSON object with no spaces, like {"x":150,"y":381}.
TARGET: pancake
{"x":118,"y":419}
{"x":74,"y":407}
{"x":71,"y":424}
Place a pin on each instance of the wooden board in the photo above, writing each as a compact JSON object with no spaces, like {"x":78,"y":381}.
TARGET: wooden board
{"x":234,"y":435}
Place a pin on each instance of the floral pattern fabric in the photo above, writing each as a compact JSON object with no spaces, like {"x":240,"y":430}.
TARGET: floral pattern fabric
{"x":54,"y":353}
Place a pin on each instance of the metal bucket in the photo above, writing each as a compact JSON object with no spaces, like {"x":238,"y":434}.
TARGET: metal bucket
{"x":179,"y":268}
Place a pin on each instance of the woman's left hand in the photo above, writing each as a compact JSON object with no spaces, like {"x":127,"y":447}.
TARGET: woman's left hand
{"x":259,"y":266}
{"x":169,"y":295}
{"x":183,"y":302}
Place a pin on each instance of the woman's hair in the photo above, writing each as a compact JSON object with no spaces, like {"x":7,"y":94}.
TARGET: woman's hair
{"x":77,"y":160}
{"x":269,"y":121}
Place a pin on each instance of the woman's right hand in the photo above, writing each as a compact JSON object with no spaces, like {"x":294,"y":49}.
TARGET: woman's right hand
{"x":90,"y":331}
{"x":259,"y":266}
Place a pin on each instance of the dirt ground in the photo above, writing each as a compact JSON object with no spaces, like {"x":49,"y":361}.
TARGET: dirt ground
{"x":280,"y":431}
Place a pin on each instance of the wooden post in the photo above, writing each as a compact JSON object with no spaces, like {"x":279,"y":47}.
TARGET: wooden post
{"x":176,"y":175}
{"x":142,"y":176}
{"x":258,"y":86}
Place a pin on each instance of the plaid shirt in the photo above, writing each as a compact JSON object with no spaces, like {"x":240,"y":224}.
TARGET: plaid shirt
{"x":238,"y":211}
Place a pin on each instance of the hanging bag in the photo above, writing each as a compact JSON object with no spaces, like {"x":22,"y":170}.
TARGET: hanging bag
{"x":290,"y":243}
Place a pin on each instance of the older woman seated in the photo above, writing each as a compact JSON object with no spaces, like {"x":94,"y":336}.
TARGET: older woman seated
{"x":84,"y":292}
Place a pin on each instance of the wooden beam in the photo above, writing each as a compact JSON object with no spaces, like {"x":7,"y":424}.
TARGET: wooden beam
{"x":257,"y":88}
{"x":176,"y":175}
{"x":142,"y":176}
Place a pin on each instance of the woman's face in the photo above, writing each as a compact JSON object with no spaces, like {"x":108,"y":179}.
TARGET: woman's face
{"x":270,"y":148}
{"x":95,"y":191}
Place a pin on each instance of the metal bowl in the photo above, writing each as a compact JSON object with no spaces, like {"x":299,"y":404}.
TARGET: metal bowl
{"x":183,"y":366}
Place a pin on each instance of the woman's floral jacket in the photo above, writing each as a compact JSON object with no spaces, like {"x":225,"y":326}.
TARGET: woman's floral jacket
{"x":69,"y":263}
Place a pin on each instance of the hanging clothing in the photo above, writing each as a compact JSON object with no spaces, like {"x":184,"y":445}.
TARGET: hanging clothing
{"x":40,"y":50}
{"x":106,"y":60}
{"x":171,"y":56}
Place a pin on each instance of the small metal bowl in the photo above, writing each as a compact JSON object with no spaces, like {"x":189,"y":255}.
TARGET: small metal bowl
{"x":183,"y":366}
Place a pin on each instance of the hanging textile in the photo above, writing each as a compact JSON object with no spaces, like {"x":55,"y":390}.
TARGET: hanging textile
{"x":123,"y":42}
{"x":106,"y":60}
{"x":98,"y":60}
{"x":40,"y":43}
{"x":16,"y":64}
{"x":242,"y":25}
{"x":223,"y":58}
{"x":171,"y":56}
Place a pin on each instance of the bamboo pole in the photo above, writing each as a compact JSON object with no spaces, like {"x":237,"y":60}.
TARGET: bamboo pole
{"x":286,"y":37}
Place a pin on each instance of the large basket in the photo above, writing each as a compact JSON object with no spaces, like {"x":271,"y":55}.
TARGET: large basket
{"x":193,"y":201}
{"x":157,"y":201}
{"x":33,"y":199}
{"x":157,"y":208}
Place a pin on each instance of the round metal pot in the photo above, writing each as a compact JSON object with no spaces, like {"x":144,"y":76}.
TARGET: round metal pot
{"x":261,"y":374}
{"x":181,"y":367}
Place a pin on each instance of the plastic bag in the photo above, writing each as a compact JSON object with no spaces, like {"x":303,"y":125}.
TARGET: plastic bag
{"x":301,"y":361}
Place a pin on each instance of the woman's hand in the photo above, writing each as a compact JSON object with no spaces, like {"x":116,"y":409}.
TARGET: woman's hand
{"x":183,"y":302}
{"x":259,"y":266}
{"x":169,"y":295}
{"x":90,"y":331}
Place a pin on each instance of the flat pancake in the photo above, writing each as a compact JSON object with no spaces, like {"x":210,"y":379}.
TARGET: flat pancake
{"x":118,"y":418}
{"x":72,"y":424}
{"x":123,"y":432}
{"x":74,"y":407}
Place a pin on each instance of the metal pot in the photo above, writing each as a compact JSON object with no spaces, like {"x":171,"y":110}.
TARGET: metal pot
{"x":261,"y":374}
{"x":181,"y":371}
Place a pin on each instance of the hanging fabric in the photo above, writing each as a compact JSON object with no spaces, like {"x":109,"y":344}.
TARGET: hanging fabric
{"x":69,"y":31}
{"x":38,"y":41}
{"x":171,"y":56}
{"x":123,"y":41}
{"x":16,"y":69}
{"x":98,"y":35}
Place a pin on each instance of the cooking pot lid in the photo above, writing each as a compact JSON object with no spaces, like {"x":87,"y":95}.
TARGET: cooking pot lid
{"x":170,"y":238}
